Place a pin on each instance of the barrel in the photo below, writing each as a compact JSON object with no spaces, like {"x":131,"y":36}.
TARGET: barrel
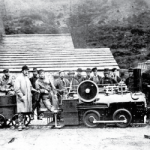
{"x":8,"y":107}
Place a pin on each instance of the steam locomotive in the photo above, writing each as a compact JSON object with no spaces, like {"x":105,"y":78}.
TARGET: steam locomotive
{"x":92,"y":105}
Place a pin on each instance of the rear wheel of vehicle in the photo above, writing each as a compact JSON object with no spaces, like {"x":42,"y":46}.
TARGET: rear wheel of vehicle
{"x":15,"y":122}
{"x":122,"y":114}
{"x":89,"y":116}
{"x":2,"y":121}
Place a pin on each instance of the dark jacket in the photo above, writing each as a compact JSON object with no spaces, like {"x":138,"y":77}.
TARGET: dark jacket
{"x":79,"y":78}
{"x":107,"y":80}
{"x":130,"y":83}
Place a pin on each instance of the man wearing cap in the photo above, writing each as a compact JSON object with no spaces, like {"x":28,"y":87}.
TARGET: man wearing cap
{"x":6,"y":83}
{"x":74,"y":82}
{"x":23,"y":90}
{"x":106,"y":79}
{"x":62,"y":85}
{"x":88,"y":74}
{"x":96,"y":78}
{"x":47,"y":91}
{"x":79,"y":76}
{"x":35,"y":99}
{"x":130,"y":80}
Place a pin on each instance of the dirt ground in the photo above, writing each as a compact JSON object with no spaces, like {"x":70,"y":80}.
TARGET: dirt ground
{"x":75,"y":138}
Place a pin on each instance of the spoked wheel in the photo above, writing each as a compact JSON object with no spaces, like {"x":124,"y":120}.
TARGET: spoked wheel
{"x":89,"y":116}
{"x":27,"y":119}
{"x":122,"y":114}
{"x":2,"y":121}
{"x":15,"y":122}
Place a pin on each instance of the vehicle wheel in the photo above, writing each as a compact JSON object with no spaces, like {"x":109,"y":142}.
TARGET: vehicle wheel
{"x":14,"y":120}
{"x":122,"y":114}
{"x":2,"y":121}
{"x":27,"y":120}
{"x":89,"y":117}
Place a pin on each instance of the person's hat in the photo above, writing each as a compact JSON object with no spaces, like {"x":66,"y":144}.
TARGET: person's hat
{"x":79,"y":70}
{"x":94,"y":69}
{"x":25,"y":68}
{"x":114,"y":69}
{"x":40,"y":71}
{"x":35,"y":70}
{"x":130,"y":70}
{"x":88,"y":70}
{"x":5,"y":70}
{"x":106,"y":70}
{"x":61,"y":71}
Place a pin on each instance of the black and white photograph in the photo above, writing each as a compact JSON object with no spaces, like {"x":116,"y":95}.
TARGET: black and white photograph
{"x":74,"y":74}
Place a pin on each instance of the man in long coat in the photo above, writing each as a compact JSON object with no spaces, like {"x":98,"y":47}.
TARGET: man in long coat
{"x":23,"y":89}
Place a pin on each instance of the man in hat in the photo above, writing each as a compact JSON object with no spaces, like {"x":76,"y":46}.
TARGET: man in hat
{"x":47,"y":91}
{"x":73,"y":82}
{"x":23,"y":90}
{"x":96,"y":78}
{"x":88,"y":74}
{"x":62,"y":85}
{"x":6,"y":83}
{"x":114,"y":75}
{"x":35,"y":99}
{"x":130,"y":80}
{"x":79,"y":76}
{"x":106,"y":79}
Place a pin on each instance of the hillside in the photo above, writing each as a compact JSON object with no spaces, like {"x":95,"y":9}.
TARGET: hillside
{"x":124,"y":26}
{"x":36,"y":16}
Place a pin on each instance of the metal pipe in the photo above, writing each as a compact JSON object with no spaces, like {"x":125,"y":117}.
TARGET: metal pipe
{"x":110,"y":121}
{"x":56,"y":125}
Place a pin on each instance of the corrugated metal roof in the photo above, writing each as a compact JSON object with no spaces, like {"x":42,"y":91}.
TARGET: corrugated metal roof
{"x":50,"y":52}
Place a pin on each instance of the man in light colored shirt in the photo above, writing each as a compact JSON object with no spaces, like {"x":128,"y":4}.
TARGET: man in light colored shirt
{"x":96,"y":78}
{"x":47,"y":91}
{"x":114,"y":75}
{"x":88,"y":74}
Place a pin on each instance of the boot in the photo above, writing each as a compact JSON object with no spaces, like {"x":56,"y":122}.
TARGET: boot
{"x":20,"y":120}
{"x":20,"y":127}
{"x":23,"y":124}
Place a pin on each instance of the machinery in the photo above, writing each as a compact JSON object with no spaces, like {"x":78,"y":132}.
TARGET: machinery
{"x":113,"y":105}
{"x":91,"y":105}
{"x":8,"y":112}
{"x":106,"y":104}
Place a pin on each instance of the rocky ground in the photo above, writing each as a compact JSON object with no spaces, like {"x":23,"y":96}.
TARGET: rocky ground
{"x":75,"y":138}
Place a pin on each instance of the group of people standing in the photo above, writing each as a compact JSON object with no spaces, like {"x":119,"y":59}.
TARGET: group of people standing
{"x":29,"y":91}
{"x":110,"y":76}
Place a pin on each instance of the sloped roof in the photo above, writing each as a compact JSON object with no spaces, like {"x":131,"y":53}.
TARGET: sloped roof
{"x":50,"y":52}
